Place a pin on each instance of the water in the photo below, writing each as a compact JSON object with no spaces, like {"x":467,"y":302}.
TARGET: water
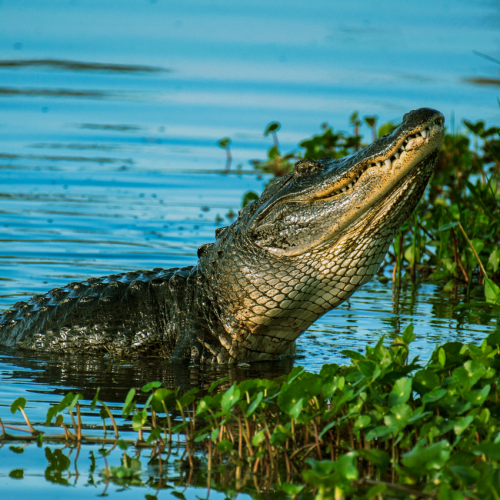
{"x":112,"y":165}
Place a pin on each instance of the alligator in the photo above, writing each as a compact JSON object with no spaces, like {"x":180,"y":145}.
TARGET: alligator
{"x":313,"y":237}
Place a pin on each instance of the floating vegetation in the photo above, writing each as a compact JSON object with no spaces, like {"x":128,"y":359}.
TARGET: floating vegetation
{"x":381,"y":427}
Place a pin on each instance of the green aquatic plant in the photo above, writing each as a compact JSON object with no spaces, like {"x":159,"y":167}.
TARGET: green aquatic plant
{"x":384,"y":426}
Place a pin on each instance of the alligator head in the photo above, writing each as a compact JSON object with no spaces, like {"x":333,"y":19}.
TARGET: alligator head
{"x":315,"y":236}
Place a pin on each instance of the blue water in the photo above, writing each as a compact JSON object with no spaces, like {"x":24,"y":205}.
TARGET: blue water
{"x":113,"y":166}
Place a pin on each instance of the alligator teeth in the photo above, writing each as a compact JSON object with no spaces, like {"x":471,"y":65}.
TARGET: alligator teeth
{"x":349,"y":185}
{"x":397,"y":155}
{"x":388,"y":163}
{"x":344,"y":189}
{"x":402,"y":148}
{"x":424,"y":133}
{"x":379,"y":164}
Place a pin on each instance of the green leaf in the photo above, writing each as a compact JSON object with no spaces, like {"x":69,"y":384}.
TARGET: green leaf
{"x":19,"y":403}
{"x":216,"y":384}
{"x":128,"y":406}
{"x":224,"y":142}
{"x":248,"y":197}
{"x":292,"y":489}
{"x":462,"y":423}
{"x":361,"y":422}
{"x":492,"y":292}
{"x":478,"y":397}
{"x":433,"y":396}
{"x":379,"y":458}
{"x":425,"y":380}
{"x":408,"y":335}
{"x":445,"y":227}
{"x":429,"y":458}
{"x":151,"y":385}
{"x":347,"y":466}
{"x":258,"y":438}
{"x":470,"y":373}
{"x":224,"y":446}
{"x":254,"y":404}
{"x":399,"y":416}
{"x":16,"y":474}
{"x":369,"y":369}
{"x":95,"y":400}
{"x":214,"y":434}
{"x":442,"y":357}
{"x":490,"y":450}
{"x":401,"y":391}
{"x":272,"y":127}
{"x":139,"y":419}
{"x":230,"y":398}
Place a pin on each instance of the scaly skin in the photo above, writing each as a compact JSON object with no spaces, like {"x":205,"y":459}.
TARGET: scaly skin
{"x":301,"y":249}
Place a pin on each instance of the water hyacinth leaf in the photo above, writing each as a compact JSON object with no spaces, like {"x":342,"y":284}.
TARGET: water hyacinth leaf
{"x":248,"y":197}
{"x":296,"y":371}
{"x":431,"y":457}
{"x":74,"y":401}
{"x":254,"y":404}
{"x":479,"y":396}
{"x":327,"y":372}
{"x":446,"y":227}
{"x":272,"y":127}
{"x":258,"y":438}
{"x":399,"y":415}
{"x":214,"y":434}
{"x":216,"y":384}
{"x":490,"y":450}
{"x":178,"y":494}
{"x":347,"y":466}
{"x":381,"y":431}
{"x":353,"y":355}
{"x":361,"y":422}
{"x":494,"y":260}
{"x":95,"y":400}
{"x":379,"y":458}
{"x":470,"y":373}
{"x":322,"y":468}
{"x":369,"y":369}
{"x":151,"y":385}
{"x":408,"y":335}
{"x":224,"y":446}
{"x":309,"y":383}
{"x":332,"y":385}
{"x":401,"y":391}
{"x":16,"y":474}
{"x":18,"y":404}
{"x":492,"y":292}
{"x":230,"y":398}
{"x":425,"y":380}
{"x":224,"y":142}
{"x":461,"y":424}
{"x":292,"y":489}
{"x":128,"y":406}
{"x":188,"y":398}
{"x":442,"y":357}
{"x":139,"y":419}
{"x":123,"y":445}
{"x":163,"y":397}
{"x":433,"y":396}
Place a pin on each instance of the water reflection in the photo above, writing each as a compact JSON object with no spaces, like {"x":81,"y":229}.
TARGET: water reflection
{"x":85,"y":374}
{"x":62,"y":65}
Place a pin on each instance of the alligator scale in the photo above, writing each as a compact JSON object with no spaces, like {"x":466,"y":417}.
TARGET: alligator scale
{"x":301,"y":249}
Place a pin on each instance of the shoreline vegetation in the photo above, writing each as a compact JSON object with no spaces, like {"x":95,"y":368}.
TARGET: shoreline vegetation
{"x":383,"y":426}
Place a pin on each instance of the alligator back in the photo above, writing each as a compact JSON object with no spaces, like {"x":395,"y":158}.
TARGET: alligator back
{"x":120,"y":314}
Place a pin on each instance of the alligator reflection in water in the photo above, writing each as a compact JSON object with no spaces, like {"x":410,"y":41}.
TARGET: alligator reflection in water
{"x":85,"y":374}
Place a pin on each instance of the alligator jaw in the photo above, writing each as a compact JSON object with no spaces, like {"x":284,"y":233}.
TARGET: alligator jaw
{"x":336,"y":193}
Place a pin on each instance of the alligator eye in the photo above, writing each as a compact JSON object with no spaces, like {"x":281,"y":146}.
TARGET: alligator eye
{"x":304,"y":167}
